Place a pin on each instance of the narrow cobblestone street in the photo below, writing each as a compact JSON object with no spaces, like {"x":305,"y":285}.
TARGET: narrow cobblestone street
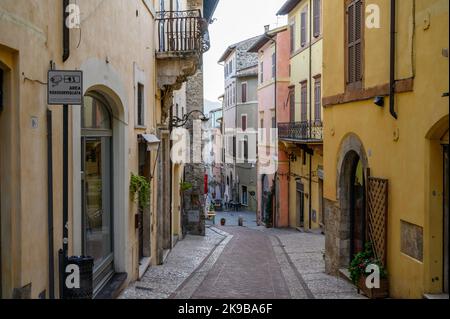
{"x":241,"y":263}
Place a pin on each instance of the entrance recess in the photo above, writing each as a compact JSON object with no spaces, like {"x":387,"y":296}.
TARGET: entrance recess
{"x":301,"y":204}
{"x":357,"y":208}
{"x":96,"y":142}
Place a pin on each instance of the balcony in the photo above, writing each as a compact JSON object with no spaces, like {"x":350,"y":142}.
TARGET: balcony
{"x":307,"y":132}
{"x":181,"y":34}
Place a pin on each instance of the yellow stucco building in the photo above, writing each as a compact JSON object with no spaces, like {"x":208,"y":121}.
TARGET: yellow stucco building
{"x":303,"y":135}
{"x":131,"y":70}
{"x":394,"y":139}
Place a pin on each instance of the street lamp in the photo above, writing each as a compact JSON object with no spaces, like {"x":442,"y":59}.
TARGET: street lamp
{"x":180,"y":122}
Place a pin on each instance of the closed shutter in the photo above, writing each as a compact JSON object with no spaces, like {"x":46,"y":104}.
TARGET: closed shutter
{"x":317,"y":13}
{"x":304,"y":100}
{"x":244,"y":92}
{"x":244,"y":122}
{"x":292,"y":39}
{"x":354,"y":42}
{"x":303,"y":28}
{"x":317,"y":100}
{"x":292,"y":105}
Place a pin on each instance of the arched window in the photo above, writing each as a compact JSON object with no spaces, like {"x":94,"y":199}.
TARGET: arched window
{"x":96,"y":142}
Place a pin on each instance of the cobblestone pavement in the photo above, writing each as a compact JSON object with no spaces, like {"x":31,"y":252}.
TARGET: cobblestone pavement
{"x":244,"y":262}
{"x":160,"y":282}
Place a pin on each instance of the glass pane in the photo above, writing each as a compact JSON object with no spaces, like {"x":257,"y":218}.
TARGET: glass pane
{"x":95,"y":114}
{"x":97,"y":197}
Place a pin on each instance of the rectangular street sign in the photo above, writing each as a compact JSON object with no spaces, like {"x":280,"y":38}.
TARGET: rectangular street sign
{"x":65,"y":87}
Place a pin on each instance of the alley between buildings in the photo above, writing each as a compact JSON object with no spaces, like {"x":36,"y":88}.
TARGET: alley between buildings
{"x":243,"y":262}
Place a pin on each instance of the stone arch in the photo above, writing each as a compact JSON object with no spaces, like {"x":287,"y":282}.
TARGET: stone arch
{"x":351,"y":151}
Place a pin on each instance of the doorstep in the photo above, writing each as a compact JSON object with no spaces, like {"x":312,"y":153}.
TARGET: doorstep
{"x":144,"y":263}
{"x":114,"y":287}
{"x":436,"y":296}
{"x":345,"y":274}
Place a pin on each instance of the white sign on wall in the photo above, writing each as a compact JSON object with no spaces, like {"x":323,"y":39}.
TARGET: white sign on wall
{"x":65,"y":87}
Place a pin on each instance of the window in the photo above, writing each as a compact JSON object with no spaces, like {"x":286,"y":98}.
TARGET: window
{"x":317,"y":17}
{"x":262,"y":73}
{"x":246,"y":148}
{"x":304,"y":22}
{"x":354,"y":42}
{"x":304,"y":102}
{"x":292,"y":104}
{"x":244,"y":122}
{"x":292,"y":39}
{"x":177,"y":110}
{"x":140,"y":106}
{"x":244,"y":92}
{"x":274,"y":65}
{"x":244,"y":196}
{"x":1,"y":90}
{"x":261,"y":121}
{"x":317,"y":99}
{"x":234,"y":146}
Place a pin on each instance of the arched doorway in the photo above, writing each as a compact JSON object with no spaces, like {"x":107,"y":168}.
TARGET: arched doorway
{"x":357,"y":206}
{"x":352,"y":230}
{"x":97,"y":173}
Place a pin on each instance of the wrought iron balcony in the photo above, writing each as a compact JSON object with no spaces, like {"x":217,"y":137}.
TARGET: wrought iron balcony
{"x":181,"y":33}
{"x":304,"y":132}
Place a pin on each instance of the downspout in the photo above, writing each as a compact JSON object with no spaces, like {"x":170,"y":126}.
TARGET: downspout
{"x":392,"y":62}
{"x":66,"y":33}
{"x":51,"y":257}
{"x":171,"y":175}
{"x":310,"y":113}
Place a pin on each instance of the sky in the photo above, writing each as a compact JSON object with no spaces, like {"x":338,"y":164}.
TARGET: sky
{"x":235,"y":20}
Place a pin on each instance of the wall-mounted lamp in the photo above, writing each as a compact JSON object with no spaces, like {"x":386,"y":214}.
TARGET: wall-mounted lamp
{"x":180,"y":122}
{"x":379,"y":101}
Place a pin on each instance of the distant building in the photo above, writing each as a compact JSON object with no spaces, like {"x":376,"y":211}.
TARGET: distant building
{"x":240,"y":113}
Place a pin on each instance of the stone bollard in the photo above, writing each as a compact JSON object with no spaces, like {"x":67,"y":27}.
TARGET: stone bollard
{"x":241,"y":221}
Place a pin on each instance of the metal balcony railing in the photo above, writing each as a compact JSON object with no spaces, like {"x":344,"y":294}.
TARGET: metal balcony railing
{"x":307,"y":131}
{"x":182,"y":32}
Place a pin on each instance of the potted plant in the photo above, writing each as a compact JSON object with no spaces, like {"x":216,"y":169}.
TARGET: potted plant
{"x":140,"y":190}
{"x":223,"y":221}
{"x":358,"y":274}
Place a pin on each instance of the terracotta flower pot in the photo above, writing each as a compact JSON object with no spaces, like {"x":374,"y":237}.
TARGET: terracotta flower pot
{"x":374,"y":293}
{"x":222,"y":222}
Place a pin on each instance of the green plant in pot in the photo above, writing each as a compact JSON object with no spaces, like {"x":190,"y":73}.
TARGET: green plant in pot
{"x":140,"y":190}
{"x":358,"y":273}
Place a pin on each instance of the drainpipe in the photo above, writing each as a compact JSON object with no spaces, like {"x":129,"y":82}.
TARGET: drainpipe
{"x":51,"y":257}
{"x":66,"y":33}
{"x":392,"y":62}
{"x":310,"y":111}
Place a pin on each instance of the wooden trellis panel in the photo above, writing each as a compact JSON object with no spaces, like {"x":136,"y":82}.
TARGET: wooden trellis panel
{"x":377,"y":213}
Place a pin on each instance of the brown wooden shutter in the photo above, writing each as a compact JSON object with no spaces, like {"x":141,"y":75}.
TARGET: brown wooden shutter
{"x":354,"y":41}
{"x":317,"y":13}
{"x":244,"y":122}
{"x":303,"y":29}
{"x":244,"y":92}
